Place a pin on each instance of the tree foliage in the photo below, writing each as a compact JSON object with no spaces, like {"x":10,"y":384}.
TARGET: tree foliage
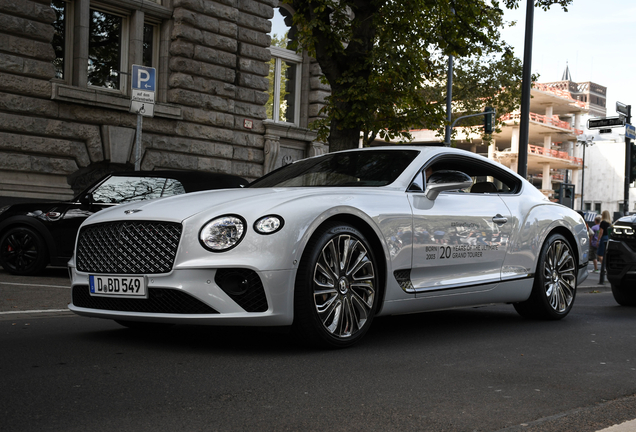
{"x":386,"y":62}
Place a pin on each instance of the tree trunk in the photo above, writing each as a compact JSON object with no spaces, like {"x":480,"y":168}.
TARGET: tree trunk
{"x":341,"y":138}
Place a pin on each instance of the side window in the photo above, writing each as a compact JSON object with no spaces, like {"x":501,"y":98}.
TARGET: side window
{"x":487,"y":178}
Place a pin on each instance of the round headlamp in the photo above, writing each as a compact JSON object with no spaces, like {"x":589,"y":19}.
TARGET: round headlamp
{"x":269,"y":224}
{"x":222,"y":233}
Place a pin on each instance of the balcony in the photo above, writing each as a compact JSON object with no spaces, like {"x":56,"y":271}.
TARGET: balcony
{"x":544,"y":120}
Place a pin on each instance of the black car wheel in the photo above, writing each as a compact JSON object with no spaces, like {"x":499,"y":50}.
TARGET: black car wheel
{"x":554,"y":286}
{"x":336,"y":288}
{"x":23,"y":251}
{"x":624,"y":296}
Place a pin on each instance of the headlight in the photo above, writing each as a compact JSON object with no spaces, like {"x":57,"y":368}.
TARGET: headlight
{"x":269,"y":224}
{"x":223,"y":233}
{"x":621,"y":231}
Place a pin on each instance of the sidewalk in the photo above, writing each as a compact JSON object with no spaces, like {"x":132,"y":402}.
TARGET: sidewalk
{"x":592,"y":281}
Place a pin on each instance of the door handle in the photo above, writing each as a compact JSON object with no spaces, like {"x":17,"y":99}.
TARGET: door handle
{"x":499,"y":219}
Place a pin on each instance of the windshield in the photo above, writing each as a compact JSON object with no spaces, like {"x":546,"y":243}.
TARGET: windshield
{"x":363,"y":168}
{"x":119,"y":190}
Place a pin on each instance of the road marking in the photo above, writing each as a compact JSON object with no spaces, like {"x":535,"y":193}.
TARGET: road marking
{"x":34,"y":285}
{"x":34,"y":311}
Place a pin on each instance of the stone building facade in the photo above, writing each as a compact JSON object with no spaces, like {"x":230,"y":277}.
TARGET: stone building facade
{"x":63,"y":122}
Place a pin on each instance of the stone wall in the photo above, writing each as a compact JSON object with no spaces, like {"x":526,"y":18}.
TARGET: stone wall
{"x":56,"y":137}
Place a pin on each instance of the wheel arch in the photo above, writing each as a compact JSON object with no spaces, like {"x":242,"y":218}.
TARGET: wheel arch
{"x":376,"y":244}
{"x":570,"y":238}
{"x":24,"y":221}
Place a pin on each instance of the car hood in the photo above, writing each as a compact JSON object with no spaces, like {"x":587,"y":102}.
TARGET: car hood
{"x":181,"y":207}
{"x":631,"y":220}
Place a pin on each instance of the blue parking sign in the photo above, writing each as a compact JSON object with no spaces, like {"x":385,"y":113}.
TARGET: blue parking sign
{"x":143,"y":78}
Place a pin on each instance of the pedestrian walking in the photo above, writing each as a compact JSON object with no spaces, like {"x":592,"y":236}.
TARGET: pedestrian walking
{"x":594,"y":241}
{"x":603,"y":234}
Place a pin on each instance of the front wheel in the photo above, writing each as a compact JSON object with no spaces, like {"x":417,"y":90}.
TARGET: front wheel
{"x":623,"y":295}
{"x":336,"y":290}
{"x":23,"y":251}
{"x":554,"y":286}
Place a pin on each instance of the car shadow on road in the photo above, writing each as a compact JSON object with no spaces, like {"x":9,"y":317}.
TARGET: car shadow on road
{"x":398,"y":332}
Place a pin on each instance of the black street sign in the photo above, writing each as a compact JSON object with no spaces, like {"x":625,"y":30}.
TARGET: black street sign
{"x":607,"y":122}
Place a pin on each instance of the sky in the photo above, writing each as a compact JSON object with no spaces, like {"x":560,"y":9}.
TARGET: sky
{"x":595,"y":38}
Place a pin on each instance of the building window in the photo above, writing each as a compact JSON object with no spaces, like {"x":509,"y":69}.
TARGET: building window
{"x":284,"y":87}
{"x":106,"y":56}
{"x":597,"y":207}
{"x":285,"y":69}
{"x":105,"y":49}
{"x":60,"y":41}
{"x":588,"y":206}
{"x":149,"y":45}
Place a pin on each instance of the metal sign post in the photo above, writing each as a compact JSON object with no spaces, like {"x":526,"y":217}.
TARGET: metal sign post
{"x":142,"y":102}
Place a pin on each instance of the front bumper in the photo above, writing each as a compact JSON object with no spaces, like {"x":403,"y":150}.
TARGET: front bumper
{"x":207,"y":303}
{"x":620,"y":263}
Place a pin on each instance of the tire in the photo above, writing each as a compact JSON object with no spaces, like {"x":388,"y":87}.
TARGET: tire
{"x":23,"y":251}
{"x":624,"y":296}
{"x":554,"y":286}
{"x":336,"y":290}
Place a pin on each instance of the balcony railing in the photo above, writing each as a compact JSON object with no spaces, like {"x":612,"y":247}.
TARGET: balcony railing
{"x":552,"y":121}
{"x":562,"y":93}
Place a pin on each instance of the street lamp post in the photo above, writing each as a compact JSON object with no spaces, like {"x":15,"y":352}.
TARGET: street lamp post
{"x":526,"y":86}
{"x":587,"y":140}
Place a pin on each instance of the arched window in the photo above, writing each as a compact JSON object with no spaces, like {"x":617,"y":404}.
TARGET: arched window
{"x":283,"y":105}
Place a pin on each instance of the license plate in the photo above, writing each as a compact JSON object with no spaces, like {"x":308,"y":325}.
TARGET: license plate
{"x":117,"y":286}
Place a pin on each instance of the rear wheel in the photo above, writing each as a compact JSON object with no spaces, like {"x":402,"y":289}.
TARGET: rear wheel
{"x":554,"y":286}
{"x":336,"y":290}
{"x":23,"y":251}
{"x":624,"y":296}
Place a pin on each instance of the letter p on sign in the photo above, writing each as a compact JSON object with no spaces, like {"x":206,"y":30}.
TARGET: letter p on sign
{"x":143,"y":78}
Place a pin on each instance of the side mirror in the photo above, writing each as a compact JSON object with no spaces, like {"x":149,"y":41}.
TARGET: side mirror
{"x":87,"y":199}
{"x":446,"y":180}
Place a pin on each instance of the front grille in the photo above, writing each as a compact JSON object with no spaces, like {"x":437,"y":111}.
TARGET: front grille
{"x":131,"y":247}
{"x":160,"y":300}
{"x":615,"y":261}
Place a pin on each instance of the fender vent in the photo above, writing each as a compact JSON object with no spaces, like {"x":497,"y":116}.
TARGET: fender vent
{"x":403,"y":278}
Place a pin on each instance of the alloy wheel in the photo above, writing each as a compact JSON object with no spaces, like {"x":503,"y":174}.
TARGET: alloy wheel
{"x":344,"y":286}
{"x":559,"y":276}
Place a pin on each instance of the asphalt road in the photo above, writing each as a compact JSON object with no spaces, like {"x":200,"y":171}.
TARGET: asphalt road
{"x":482,"y":369}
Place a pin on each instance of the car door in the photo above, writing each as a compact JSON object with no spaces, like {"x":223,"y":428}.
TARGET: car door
{"x":460,"y":239}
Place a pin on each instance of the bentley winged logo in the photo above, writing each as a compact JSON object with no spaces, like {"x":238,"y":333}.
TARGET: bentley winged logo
{"x":132,"y":211}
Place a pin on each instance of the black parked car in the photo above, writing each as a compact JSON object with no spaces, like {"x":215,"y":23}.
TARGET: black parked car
{"x":620,"y":260}
{"x":34,"y":235}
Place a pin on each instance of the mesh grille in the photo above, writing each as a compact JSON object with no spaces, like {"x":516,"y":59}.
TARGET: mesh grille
{"x":403,"y":278}
{"x":128,"y":247}
{"x":615,"y":261}
{"x":160,"y":300}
